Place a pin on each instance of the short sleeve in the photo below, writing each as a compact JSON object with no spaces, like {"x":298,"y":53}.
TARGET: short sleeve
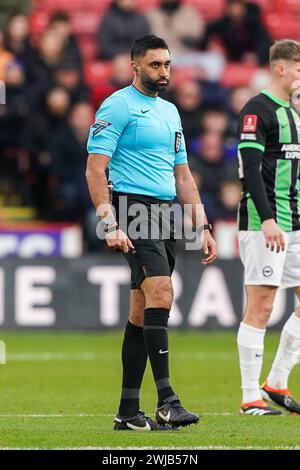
{"x":180,"y":147}
{"x":111,"y":120}
{"x":252,"y":127}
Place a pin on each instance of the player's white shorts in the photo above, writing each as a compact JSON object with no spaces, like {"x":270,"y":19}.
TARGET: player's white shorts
{"x":266,"y":267}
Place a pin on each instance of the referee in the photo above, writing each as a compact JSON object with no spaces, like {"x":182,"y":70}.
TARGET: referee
{"x":139,"y":136}
{"x":269,"y":229}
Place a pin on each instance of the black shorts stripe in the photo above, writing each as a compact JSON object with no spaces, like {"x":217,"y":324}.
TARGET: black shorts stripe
{"x":294,"y":175}
{"x":294,"y":195}
{"x":243,"y":214}
{"x":269,"y":177}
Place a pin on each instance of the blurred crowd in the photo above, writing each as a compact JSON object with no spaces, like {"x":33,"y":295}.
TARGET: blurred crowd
{"x":50,"y":103}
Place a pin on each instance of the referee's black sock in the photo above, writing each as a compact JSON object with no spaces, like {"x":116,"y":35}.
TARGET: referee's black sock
{"x":134,"y":360}
{"x":156,"y":340}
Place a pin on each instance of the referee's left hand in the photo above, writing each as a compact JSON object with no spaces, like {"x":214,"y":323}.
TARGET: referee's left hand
{"x":209,"y":248}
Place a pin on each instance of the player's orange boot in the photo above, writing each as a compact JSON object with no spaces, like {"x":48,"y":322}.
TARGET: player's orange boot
{"x":281,"y":397}
{"x":258,"y":408}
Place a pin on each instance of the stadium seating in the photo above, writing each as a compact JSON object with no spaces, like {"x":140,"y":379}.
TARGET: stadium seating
{"x":38,"y":21}
{"x":97,"y":72}
{"x":282,"y":25}
{"x":71,"y":6}
{"x":281,"y":18}
{"x":237,"y":74}
{"x":291,"y":6}
{"x":209,"y":10}
{"x":88,"y":48}
{"x":85,"y":22}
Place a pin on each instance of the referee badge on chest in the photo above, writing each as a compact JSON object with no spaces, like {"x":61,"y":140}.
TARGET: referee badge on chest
{"x":177,"y":141}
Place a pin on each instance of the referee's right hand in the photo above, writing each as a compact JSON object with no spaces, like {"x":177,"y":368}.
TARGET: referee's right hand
{"x":118,"y":240}
{"x":274,"y":237}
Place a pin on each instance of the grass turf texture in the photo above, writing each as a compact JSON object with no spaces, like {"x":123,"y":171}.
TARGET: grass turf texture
{"x":61,"y":390}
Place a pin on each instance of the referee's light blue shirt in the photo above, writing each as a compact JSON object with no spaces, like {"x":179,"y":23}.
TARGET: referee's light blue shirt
{"x":143,"y":137}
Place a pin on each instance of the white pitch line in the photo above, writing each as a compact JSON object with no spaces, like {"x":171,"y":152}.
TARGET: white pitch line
{"x":95,"y":415}
{"x":47,"y":356}
{"x":79,"y":415}
{"x":92,"y":356}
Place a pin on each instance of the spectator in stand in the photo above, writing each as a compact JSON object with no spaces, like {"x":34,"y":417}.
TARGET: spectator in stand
{"x":121,"y":71}
{"x":229,"y":198}
{"x":16,"y":109}
{"x":13,"y":115}
{"x":67,"y":75}
{"x":60,"y":24}
{"x":180,"y":25}
{"x":211,"y":164}
{"x":259,"y":80}
{"x":242,"y":32}
{"x":47,"y":57}
{"x":215,"y":120}
{"x":121,"y":76}
{"x":16,"y":38}
{"x":37,"y":132}
{"x":120,"y":26}
{"x":188,"y":99}
{"x":238,"y":98}
{"x":68,"y":153}
{"x":5,"y":57}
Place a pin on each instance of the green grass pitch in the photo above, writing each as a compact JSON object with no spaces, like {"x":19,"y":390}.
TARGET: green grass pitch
{"x":60,"y":390}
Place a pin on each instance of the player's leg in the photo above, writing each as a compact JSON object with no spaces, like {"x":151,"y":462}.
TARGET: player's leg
{"x":134,"y":360}
{"x":275,"y":388}
{"x":250,"y":341}
{"x":134,"y":352}
{"x":134,"y":355}
{"x":263,"y":273}
{"x":158,"y":293}
{"x":288,"y":352}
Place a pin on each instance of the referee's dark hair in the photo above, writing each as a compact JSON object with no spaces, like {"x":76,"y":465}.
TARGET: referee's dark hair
{"x":143,"y":44}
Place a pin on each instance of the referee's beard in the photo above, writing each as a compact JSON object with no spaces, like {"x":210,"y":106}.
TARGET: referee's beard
{"x":160,"y":84}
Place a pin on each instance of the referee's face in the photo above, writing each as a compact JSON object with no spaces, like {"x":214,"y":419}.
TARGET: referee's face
{"x":153,"y":70}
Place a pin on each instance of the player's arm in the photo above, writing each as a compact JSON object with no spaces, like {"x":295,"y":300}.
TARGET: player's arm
{"x":98,"y":188}
{"x":253,"y":123}
{"x":187,"y":193}
{"x":110,"y":122}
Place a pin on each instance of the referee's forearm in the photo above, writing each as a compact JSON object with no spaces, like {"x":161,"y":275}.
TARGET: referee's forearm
{"x":97,"y":184}
{"x":187,"y":193}
{"x":98,"y":187}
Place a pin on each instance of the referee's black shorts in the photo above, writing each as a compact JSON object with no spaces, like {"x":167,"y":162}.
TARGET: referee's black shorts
{"x":153,"y":256}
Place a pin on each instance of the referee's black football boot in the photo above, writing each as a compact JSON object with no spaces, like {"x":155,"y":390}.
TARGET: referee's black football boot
{"x":139,"y":422}
{"x":281,"y":397}
{"x":172,"y":412}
